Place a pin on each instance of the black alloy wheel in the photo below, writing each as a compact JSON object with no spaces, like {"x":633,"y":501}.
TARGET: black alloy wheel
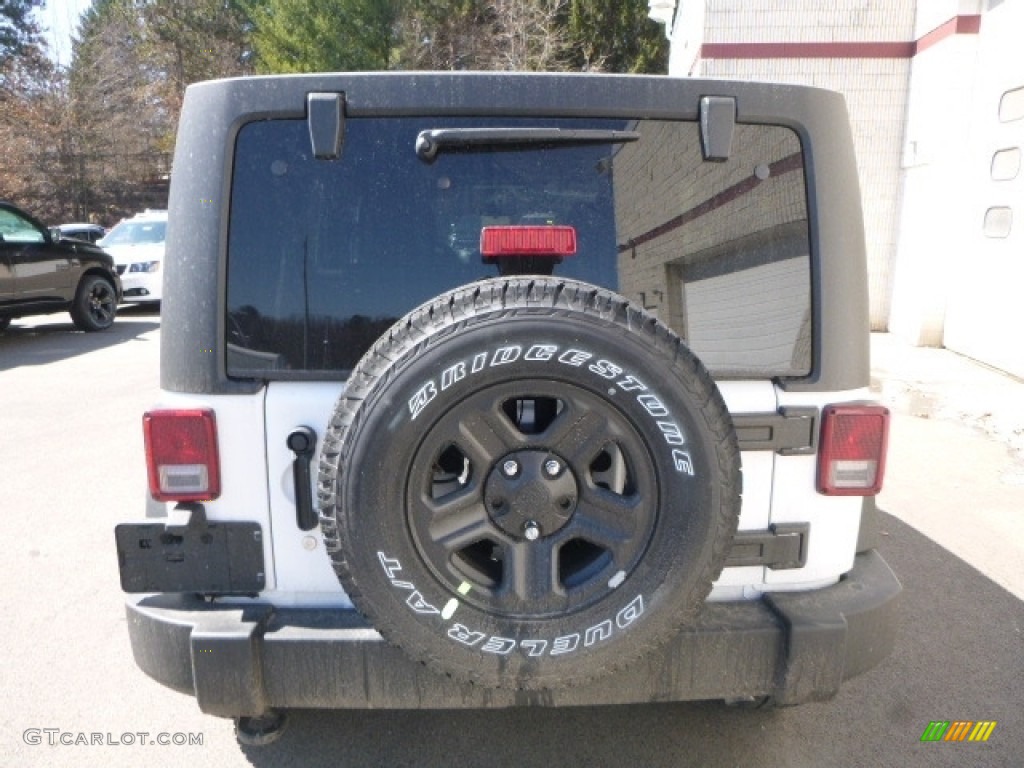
{"x":529,"y":483}
{"x":95,"y":305}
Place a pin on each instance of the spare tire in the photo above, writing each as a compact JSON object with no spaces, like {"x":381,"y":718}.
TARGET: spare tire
{"x":528,"y":483}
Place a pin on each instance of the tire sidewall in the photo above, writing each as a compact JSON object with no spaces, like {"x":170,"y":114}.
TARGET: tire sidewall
{"x":405,"y":596}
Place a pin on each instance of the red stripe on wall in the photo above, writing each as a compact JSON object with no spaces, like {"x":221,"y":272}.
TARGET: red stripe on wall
{"x":959,"y":25}
{"x":729,"y":194}
{"x":807,"y":50}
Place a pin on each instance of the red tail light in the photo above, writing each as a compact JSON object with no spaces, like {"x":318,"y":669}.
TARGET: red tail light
{"x":181,"y":455}
{"x":851,"y":456}
{"x":527,"y":241}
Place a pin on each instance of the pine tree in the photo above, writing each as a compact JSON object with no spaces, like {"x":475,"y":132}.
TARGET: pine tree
{"x":322,"y":35}
{"x":616,"y":36}
{"x":18,"y":30}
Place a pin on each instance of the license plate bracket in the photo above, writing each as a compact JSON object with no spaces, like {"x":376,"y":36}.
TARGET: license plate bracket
{"x":215,"y":558}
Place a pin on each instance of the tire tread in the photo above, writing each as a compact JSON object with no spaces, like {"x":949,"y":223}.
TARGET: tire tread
{"x":461,"y":308}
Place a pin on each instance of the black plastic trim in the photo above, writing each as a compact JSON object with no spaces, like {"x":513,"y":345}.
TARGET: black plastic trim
{"x":213,"y":113}
{"x":245,"y":659}
{"x":430,"y":143}
{"x":326,"y":119}
{"x":302,"y":442}
{"x":790,"y":431}
{"x":782,"y":547}
{"x":867,"y":534}
{"x":224,"y":558}
{"x":717,"y":125}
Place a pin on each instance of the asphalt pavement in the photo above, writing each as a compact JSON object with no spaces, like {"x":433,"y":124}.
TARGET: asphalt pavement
{"x":956,"y":469}
{"x":71,"y":464}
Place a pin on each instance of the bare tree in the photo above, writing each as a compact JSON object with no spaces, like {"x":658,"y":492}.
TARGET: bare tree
{"x":444,"y":35}
{"x":529,"y":35}
{"x":37,"y":166}
{"x":121,"y":122}
{"x":131,"y":64}
{"x":483,"y":35}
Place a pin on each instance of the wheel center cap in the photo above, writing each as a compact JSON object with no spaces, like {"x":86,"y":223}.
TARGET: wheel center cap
{"x":531,"y":493}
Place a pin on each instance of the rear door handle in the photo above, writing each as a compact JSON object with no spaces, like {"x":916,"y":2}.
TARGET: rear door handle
{"x":302,"y":442}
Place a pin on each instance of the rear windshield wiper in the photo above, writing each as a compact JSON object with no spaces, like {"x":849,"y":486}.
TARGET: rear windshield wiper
{"x":429,"y":143}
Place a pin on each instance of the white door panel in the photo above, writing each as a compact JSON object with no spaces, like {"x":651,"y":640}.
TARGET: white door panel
{"x":758,"y":467}
{"x":776,"y":489}
{"x":834,"y":520}
{"x":303,"y":565}
{"x":240,"y":446}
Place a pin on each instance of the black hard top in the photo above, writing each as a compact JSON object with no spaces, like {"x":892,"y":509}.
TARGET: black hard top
{"x":213,"y":113}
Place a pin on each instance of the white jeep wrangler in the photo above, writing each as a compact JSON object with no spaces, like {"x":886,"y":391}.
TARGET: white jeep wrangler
{"x":459,"y":376}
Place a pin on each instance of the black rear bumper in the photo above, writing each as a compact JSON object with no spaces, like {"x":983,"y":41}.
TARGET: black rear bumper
{"x":243,"y":660}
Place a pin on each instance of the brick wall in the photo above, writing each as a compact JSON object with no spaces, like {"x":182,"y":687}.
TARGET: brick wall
{"x":712,"y":247}
{"x":859,"y":48}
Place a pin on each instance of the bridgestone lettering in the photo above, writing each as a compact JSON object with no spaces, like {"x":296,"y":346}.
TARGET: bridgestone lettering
{"x":453,"y":375}
{"x":607,"y":370}
{"x":420,"y":400}
{"x":541,"y":352}
{"x":505,"y":355}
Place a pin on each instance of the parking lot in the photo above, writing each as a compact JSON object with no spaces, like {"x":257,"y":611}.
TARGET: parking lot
{"x":71,"y":453}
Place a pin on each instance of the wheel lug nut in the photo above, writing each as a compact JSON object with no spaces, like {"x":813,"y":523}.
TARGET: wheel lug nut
{"x":510,"y":468}
{"x":531,"y":531}
{"x":552,"y":467}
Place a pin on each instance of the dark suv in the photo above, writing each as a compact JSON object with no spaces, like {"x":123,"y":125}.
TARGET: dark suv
{"x":42,"y":272}
{"x":460,"y":373}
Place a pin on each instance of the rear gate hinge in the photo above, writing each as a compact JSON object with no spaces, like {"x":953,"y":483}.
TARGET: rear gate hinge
{"x":717,"y":125}
{"x":782,"y":547}
{"x":791,"y":431}
{"x":325,"y":115}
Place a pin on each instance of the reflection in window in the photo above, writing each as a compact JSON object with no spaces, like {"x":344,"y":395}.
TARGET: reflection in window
{"x":728,"y":243}
{"x":324,"y":256}
{"x":15,"y":229}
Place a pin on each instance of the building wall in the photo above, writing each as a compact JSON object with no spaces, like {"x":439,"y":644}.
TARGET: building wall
{"x":984,"y":267}
{"x":935,"y":90}
{"x":857,"y":47}
{"x":710,"y":247}
{"x":933,"y":163}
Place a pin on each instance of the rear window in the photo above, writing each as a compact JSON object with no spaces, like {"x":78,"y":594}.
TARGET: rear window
{"x":323,"y":256}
